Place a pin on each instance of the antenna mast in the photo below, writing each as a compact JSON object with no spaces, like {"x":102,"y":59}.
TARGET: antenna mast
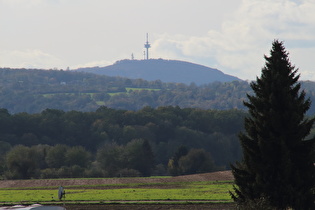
{"x":147,"y":46}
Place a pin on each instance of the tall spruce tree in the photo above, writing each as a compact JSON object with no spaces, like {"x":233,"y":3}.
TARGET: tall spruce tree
{"x":277,"y":167}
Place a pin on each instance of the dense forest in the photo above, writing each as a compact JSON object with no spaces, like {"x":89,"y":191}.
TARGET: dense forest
{"x":109,"y":142}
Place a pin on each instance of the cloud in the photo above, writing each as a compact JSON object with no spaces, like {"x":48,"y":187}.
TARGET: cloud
{"x":28,"y":3}
{"x":238,"y":47}
{"x":22,"y":3}
{"x":28,"y":59}
{"x":93,"y":64}
{"x":34,"y":58}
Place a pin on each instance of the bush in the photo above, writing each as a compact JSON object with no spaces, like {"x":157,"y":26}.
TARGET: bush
{"x":126,"y":172}
{"x":64,"y":172}
{"x":159,"y":170}
{"x":76,"y":171}
{"x":196,"y":161}
{"x":94,"y":172}
{"x":49,"y":173}
{"x":21,"y":163}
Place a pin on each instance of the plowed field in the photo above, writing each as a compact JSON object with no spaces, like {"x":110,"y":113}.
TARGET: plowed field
{"x":215,"y":176}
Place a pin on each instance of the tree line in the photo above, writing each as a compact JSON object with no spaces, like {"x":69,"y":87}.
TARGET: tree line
{"x":109,"y":142}
{"x":32,"y":91}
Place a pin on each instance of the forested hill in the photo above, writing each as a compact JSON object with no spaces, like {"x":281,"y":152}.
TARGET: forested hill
{"x":32,"y":91}
{"x":164,"y":70}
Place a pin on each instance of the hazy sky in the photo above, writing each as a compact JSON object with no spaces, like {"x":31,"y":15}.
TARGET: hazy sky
{"x":231,"y":35}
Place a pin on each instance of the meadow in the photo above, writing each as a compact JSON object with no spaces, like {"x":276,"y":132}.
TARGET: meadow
{"x":138,"y":192}
{"x":98,"y":102}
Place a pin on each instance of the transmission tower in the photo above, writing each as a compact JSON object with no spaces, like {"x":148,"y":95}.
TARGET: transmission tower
{"x":147,"y":46}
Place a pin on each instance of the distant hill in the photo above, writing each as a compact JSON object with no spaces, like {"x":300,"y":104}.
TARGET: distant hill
{"x":34,"y":90}
{"x":164,"y":70}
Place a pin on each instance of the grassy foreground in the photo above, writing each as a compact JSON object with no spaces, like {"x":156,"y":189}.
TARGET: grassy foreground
{"x":154,"y":192}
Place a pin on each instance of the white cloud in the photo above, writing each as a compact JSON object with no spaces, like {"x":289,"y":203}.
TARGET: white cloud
{"x":29,"y":3}
{"x":306,"y":68}
{"x":22,"y":4}
{"x":242,"y":41}
{"x":32,"y":58}
{"x":99,"y":63}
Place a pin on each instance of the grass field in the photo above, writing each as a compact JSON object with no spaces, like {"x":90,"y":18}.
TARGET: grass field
{"x":189,"y":192}
{"x":135,"y":89}
{"x":110,"y":93}
{"x":176,"y":191}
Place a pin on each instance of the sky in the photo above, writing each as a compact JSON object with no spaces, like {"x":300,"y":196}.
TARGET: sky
{"x":230,"y":35}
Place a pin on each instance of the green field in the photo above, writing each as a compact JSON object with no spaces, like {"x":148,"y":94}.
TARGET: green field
{"x":110,"y":93}
{"x":100,"y":103}
{"x":155,"y":192}
{"x":150,"y":89}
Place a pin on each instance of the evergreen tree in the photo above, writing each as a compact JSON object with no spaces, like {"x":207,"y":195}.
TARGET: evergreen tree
{"x":277,"y":168}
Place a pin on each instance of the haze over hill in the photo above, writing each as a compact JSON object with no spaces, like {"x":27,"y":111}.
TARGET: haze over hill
{"x":164,"y":70}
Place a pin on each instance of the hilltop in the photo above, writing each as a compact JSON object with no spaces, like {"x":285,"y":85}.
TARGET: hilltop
{"x":164,"y":70}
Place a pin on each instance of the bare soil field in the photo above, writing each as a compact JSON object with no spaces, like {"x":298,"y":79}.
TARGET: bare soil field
{"x":215,"y":176}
